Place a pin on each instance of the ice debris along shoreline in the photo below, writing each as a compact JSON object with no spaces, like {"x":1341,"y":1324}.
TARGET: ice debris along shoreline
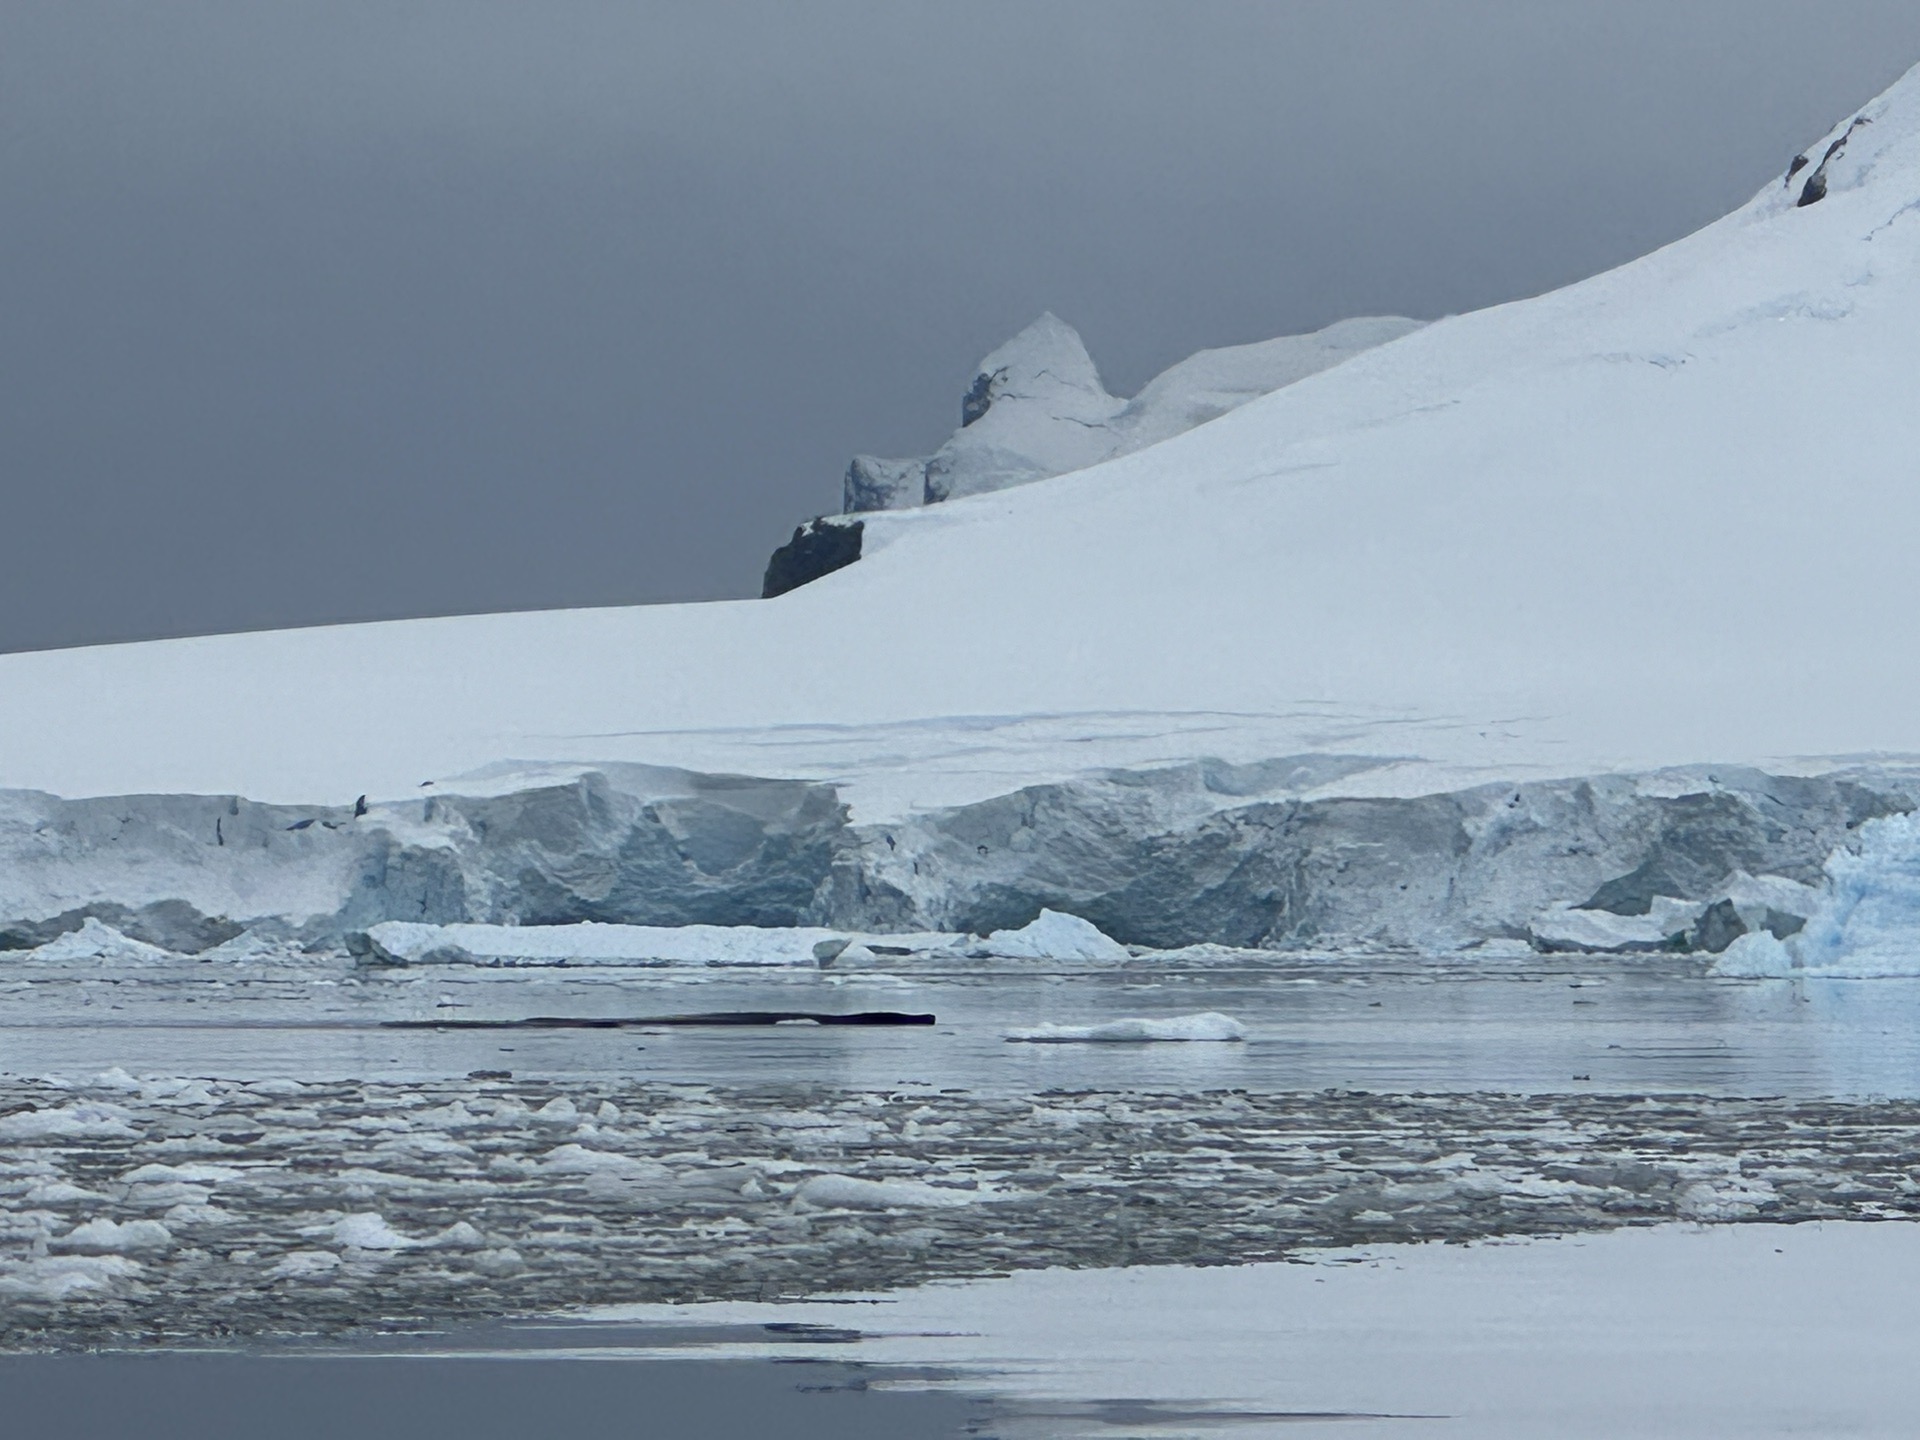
{"x":177,"y":1209}
{"x":1050,"y":936}
{"x":1207,"y":1025}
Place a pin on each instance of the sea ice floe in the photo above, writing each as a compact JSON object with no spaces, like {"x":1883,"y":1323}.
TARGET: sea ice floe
{"x":95,"y":940}
{"x":83,"y":1120}
{"x":1208,"y":1025}
{"x":57,"y":1278}
{"x":370,"y":1231}
{"x":303,"y":1264}
{"x":579,"y":1160}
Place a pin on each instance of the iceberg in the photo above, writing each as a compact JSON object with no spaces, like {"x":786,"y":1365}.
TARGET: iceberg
{"x":1051,"y":936}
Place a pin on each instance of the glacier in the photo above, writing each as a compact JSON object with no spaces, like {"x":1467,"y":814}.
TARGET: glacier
{"x":1570,"y":608}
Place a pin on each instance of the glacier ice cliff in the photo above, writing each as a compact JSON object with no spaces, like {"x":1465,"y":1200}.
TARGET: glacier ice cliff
{"x":1201,"y":853}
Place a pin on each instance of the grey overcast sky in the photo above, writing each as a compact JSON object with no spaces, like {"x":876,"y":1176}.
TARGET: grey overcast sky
{"x":333,"y":311}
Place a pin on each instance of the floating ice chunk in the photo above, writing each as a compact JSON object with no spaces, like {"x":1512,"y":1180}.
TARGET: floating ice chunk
{"x":1756,"y":956}
{"x":458,"y":1236}
{"x":500,"y":1263}
{"x":95,"y":940}
{"x":1051,"y":936}
{"x":1207,"y":1025}
{"x":195,"y":1173}
{"x":848,"y":1192}
{"x":116,"y":1079}
{"x":303,"y":1264}
{"x":57,"y":1278}
{"x":579,"y":1160}
{"x":1564,"y":928}
{"x":59,"y":1192}
{"x":1732,"y":1197}
{"x":198,"y":1214}
{"x":83,"y":1120}
{"x":113,"y":1237}
{"x":370,"y":1231}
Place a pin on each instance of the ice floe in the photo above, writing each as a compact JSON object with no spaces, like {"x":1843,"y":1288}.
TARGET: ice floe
{"x":1207,"y":1025}
{"x":849,"y":1192}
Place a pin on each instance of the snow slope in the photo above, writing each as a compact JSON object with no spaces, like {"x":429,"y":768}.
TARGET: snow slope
{"x":1662,"y":516}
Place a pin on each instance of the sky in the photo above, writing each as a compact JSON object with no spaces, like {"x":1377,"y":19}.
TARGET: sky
{"x":318,"y":312}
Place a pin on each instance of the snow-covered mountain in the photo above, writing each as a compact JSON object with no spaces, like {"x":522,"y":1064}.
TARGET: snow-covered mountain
{"x":1037,"y":408}
{"x":1601,"y":588}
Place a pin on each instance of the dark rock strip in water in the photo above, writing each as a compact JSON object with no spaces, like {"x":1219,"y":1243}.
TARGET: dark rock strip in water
{"x":721,"y":1018}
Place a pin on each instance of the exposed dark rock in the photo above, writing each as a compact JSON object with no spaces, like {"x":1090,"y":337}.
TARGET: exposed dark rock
{"x":875,"y":484}
{"x":1719,"y":927}
{"x":1815,"y":190}
{"x":817,"y":548}
{"x":979,"y":397}
{"x":1780,"y":924}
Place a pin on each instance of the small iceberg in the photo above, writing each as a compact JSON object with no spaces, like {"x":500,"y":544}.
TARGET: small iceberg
{"x":1208,"y":1025}
{"x":1051,"y":936}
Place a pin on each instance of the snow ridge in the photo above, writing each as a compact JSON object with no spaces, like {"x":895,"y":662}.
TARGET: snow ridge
{"x":1037,"y":408}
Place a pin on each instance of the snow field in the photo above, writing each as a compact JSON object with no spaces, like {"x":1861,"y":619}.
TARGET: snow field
{"x":1331,"y":569}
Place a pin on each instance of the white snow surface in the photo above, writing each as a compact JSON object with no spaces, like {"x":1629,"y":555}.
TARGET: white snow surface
{"x":1207,"y":1025}
{"x":1659,"y":517}
{"x":1675,"y":1332}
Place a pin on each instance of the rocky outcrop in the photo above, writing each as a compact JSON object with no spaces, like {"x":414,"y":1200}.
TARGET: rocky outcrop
{"x":817,"y":548}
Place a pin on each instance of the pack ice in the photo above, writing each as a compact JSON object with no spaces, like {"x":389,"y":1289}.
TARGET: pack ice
{"x":1565,"y":621}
